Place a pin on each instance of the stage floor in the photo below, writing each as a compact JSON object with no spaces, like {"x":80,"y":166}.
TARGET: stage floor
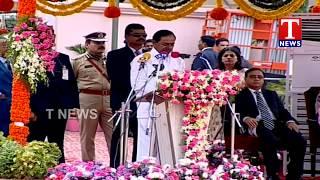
{"x":73,"y":151}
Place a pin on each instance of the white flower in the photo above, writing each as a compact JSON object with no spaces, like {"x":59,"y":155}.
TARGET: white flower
{"x":156,"y":175}
{"x":188,"y":172}
{"x":53,"y":176}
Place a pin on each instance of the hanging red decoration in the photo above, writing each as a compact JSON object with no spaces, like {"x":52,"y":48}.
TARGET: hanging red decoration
{"x":316,"y":9}
{"x":6,"y":5}
{"x":112,"y":12}
{"x":219,"y":13}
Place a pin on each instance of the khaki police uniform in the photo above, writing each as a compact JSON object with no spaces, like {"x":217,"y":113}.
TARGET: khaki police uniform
{"x":94,"y":103}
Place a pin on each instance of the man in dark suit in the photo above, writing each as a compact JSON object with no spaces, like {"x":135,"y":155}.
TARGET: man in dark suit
{"x":52,"y":104}
{"x":263,"y":114}
{"x":118,"y":66}
{"x":207,"y":58}
{"x":5,"y":89}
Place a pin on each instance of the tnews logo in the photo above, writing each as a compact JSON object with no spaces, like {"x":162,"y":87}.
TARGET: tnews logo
{"x":290,"y":32}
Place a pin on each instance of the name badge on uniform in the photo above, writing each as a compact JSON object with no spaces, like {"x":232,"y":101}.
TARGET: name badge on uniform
{"x":65,"y":73}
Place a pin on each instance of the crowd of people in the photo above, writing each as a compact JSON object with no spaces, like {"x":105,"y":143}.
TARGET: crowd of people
{"x":99,"y":84}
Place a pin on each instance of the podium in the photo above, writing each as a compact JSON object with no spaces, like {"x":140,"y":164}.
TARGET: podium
{"x":166,"y":142}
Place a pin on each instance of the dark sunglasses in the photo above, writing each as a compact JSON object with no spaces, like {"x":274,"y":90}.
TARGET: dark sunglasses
{"x":139,"y":35}
{"x":256,"y":76}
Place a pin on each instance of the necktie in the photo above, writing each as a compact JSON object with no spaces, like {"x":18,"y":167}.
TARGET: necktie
{"x":264,"y":111}
{"x":137,"y":53}
{"x":8,"y":66}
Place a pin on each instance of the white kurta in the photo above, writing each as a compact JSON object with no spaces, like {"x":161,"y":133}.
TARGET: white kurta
{"x":138,"y":80}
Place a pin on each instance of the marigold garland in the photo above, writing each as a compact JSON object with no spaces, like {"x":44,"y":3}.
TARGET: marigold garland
{"x":63,"y":9}
{"x":167,"y":15}
{"x":26,"y":8}
{"x":20,"y":110}
{"x":257,"y":13}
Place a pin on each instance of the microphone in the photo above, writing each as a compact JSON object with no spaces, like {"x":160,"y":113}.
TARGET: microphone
{"x":143,"y":59}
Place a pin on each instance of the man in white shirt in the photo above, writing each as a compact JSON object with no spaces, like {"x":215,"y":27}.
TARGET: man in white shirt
{"x":145,"y":69}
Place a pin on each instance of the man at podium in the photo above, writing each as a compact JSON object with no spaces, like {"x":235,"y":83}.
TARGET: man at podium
{"x":145,"y":69}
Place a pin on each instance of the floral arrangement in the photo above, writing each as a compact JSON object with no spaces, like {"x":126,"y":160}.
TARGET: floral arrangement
{"x":198,"y":91}
{"x":30,"y":48}
{"x":149,"y":169}
{"x":81,"y":170}
{"x":237,"y":170}
{"x":137,"y":170}
{"x":30,"y":161}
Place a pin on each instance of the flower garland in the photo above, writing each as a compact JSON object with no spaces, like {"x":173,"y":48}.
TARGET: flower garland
{"x":164,"y":4}
{"x":30,"y":50}
{"x":26,"y":8}
{"x":269,"y":5}
{"x":63,"y":9}
{"x":167,"y":15}
{"x":280,"y":12}
{"x":199,"y":91}
{"x":20,"y":110}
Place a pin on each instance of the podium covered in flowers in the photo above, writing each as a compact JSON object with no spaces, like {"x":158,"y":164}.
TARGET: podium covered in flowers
{"x":181,"y":130}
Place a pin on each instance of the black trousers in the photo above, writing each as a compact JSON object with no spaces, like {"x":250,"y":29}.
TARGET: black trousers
{"x":282,"y":137}
{"x":51,"y":126}
{"x":115,"y":142}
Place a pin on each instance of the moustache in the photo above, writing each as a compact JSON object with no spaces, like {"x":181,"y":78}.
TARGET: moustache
{"x":141,"y":39}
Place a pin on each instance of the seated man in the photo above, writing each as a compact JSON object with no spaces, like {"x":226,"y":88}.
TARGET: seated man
{"x":263,"y":114}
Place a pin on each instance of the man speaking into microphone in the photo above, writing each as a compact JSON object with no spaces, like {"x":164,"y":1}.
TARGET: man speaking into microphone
{"x":145,"y":69}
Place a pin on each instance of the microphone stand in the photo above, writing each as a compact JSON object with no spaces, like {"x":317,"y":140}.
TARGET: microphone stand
{"x":234,"y":120}
{"x":124,"y":116}
{"x":152,"y":111}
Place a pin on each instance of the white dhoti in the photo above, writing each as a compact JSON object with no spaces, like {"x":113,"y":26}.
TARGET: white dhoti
{"x":143,"y":115}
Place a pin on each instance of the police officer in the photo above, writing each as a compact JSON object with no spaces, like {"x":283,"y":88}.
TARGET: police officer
{"x":94,"y":88}
{"x":161,"y":58}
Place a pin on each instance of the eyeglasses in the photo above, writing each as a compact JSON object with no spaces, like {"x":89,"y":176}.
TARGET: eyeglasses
{"x":256,"y":76}
{"x":231,"y":55}
{"x":139,"y":35}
